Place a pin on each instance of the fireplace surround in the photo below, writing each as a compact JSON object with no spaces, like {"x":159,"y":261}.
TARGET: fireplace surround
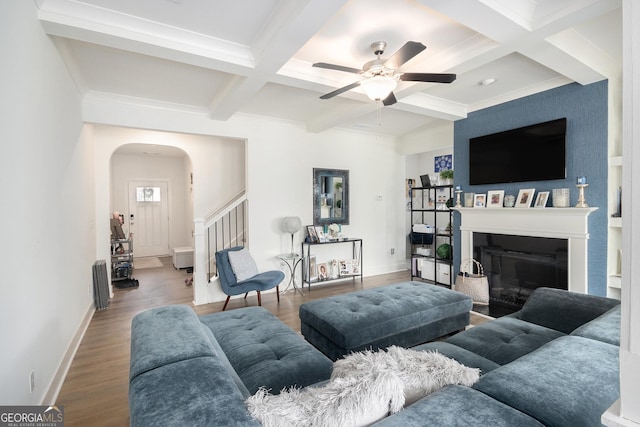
{"x":570,"y":224}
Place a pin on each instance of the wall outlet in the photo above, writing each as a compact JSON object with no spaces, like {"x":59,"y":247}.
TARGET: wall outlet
{"x":393,"y":251}
{"x":32,"y":381}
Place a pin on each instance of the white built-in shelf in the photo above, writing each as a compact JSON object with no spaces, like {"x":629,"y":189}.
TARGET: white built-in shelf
{"x":615,"y":281}
{"x":615,"y":161}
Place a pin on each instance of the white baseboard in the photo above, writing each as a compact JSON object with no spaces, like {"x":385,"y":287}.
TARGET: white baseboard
{"x":51,"y":396}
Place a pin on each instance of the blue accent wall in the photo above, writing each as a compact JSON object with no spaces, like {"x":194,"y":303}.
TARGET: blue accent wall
{"x":586,"y":110}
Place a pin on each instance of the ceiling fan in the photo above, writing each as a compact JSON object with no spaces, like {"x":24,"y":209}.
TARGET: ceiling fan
{"x":381,"y":76}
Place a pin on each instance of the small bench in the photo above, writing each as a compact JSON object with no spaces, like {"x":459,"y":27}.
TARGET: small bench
{"x":404,"y":314}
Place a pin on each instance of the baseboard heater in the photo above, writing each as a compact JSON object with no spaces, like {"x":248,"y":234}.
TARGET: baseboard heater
{"x":100,"y":284}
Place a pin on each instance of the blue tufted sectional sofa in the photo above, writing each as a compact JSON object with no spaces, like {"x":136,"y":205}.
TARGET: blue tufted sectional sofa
{"x":553,"y":363}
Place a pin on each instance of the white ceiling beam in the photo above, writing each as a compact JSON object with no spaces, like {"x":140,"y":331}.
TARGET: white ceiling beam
{"x":427,"y":105}
{"x":91,"y":24}
{"x":290,"y":27}
{"x":337,"y":116}
{"x":574,"y":44}
{"x":518,"y":28}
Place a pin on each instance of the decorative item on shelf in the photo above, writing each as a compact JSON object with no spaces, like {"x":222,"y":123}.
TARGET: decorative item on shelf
{"x":333,"y":269}
{"x":525,"y":197}
{"x":449,"y":203}
{"x":291,"y":225}
{"x":444,"y":251}
{"x":458,"y":192}
{"x":312,"y":236}
{"x":581,"y":184}
{"x":560,"y":197}
{"x":446,"y":177}
{"x":541,"y":200}
{"x":323,"y":271}
{"x":479,"y":200}
{"x":495,"y":198}
{"x":468,"y":199}
{"x":334,"y":230}
{"x":509,"y":201}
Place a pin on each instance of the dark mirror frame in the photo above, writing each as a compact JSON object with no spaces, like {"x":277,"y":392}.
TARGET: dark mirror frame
{"x":317,"y":188}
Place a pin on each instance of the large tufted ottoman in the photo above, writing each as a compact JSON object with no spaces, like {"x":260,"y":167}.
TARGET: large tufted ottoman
{"x":405,"y":314}
{"x":265,"y":352}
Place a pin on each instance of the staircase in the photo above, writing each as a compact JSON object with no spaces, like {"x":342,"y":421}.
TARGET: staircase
{"x":224,"y":229}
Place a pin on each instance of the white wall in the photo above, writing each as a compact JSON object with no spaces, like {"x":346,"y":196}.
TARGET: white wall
{"x":432,"y":137}
{"x":48,"y":208}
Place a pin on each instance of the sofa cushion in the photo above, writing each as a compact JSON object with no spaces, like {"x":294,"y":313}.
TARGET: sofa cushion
{"x":458,"y":406}
{"x":194,"y":392}
{"x":605,"y":328}
{"x":570,"y":381}
{"x":562,"y":310}
{"x":504,"y":340}
{"x":165,"y":335}
{"x":242,"y":264}
{"x":460,"y":354}
{"x":264,"y":351}
{"x":225,"y":362}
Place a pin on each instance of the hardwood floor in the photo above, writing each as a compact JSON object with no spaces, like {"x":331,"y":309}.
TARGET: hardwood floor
{"x":95,"y":391}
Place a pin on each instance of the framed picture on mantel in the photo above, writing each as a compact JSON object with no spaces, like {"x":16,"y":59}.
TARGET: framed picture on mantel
{"x":541,"y":200}
{"x":495,"y":198}
{"x":525,"y":197}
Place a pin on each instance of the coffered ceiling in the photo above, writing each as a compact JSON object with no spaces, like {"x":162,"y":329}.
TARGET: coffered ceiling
{"x":255,"y":57}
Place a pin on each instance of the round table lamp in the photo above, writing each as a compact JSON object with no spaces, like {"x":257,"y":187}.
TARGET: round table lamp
{"x":291,"y":224}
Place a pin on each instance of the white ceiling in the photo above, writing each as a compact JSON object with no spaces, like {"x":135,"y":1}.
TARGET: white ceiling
{"x":255,"y":56}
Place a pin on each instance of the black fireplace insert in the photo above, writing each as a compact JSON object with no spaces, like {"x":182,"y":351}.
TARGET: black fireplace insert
{"x":516,"y":265}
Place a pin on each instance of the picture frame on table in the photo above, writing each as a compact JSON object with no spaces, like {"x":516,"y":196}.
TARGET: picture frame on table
{"x":479,"y":200}
{"x":525,"y":198}
{"x":311,"y":234}
{"x":311,"y":273}
{"x":541,"y":199}
{"x":323,"y":271}
{"x":495,"y":198}
{"x":349,"y":267}
{"x":321,"y":236}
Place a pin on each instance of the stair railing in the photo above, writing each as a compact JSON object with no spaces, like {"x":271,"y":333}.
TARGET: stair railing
{"x":225,"y":228}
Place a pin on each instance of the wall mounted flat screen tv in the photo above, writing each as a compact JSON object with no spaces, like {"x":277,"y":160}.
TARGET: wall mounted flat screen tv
{"x":530,"y":153}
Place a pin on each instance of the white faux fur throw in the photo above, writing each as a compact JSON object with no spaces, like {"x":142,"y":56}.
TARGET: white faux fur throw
{"x":364,"y":388}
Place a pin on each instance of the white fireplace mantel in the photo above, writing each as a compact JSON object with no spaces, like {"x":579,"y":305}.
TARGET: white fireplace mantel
{"x":557,"y":223}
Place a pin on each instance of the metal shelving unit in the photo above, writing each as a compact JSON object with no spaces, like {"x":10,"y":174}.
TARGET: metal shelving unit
{"x":121,"y":259}
{"x":432,"y":206}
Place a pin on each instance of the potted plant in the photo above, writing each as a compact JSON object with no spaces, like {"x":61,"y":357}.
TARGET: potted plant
{"x":446,"y":177}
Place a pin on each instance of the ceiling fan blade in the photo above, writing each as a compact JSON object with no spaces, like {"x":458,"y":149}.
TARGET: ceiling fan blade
{"x":389,"y":100}
{"x":404,"y":54}
{"x":428,"y":77}
{"x":336,"y":67}
{"x":339,"y":91}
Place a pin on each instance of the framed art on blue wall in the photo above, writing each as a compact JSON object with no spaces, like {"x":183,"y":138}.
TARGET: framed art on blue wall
{"x":443,"y":163}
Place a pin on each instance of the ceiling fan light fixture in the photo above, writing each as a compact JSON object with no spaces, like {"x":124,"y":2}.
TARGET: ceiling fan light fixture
{"x":378,"y":88}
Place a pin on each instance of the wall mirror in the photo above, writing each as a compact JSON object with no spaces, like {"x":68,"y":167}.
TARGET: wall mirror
{"x":330,"y":196}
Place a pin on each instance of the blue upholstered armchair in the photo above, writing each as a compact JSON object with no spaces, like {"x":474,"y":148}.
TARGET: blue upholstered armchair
{"x":239,"y":275}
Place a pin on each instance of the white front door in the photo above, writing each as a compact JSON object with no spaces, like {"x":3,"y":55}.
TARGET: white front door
{"x":148,"y":218}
